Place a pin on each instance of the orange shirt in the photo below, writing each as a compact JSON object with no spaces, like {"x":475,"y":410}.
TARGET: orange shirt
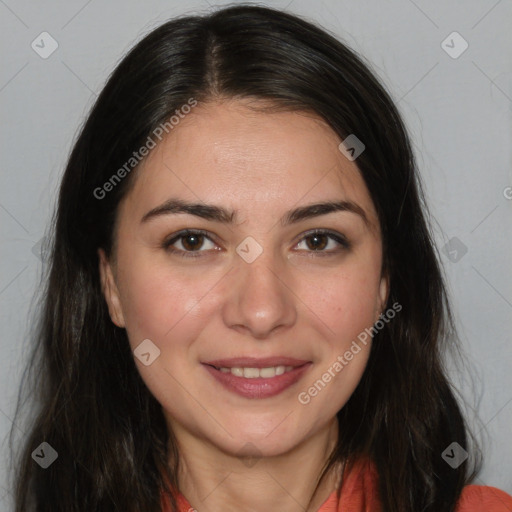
{"x":359,"y":494}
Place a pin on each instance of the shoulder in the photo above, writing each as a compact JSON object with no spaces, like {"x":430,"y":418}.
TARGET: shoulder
{"x":475,"y":498}
{"x":360,"y":492}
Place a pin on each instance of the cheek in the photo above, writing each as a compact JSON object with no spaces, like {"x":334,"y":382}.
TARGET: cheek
{"x":346,"y":300}
{"x":158,"y":302}
{"x":347,"y":304}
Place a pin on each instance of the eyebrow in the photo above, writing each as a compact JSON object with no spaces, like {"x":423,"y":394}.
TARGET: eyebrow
{"x":219,"y":214}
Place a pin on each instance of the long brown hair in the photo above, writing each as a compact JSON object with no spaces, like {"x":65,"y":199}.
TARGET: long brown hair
{"x":88,"y":399}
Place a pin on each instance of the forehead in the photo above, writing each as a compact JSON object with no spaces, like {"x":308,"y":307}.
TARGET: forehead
{"x":250,"y":160}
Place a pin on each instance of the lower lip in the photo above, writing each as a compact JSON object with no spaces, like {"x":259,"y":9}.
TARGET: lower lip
{"x":259,"y":387}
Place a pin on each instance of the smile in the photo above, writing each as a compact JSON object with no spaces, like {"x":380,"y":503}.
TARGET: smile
{"x":253,"y":373}
{"x":257,"y":381}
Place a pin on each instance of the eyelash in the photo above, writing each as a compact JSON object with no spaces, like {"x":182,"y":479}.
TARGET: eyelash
{"x":340,"y":239}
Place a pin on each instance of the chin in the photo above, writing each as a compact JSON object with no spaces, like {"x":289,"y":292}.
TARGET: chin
{"x":255,"y":443}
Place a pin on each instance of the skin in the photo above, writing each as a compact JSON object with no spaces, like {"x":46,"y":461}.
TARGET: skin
{"x":290,"y":301}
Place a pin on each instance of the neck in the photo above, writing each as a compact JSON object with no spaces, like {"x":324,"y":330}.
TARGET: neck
{"x":214,"y":481}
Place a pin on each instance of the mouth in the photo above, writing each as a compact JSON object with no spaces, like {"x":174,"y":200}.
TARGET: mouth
{"x":257,"y":378}
{"x":254,"y":373}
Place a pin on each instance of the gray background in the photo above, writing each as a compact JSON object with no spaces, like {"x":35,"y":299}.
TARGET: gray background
{"x":458,"y":111}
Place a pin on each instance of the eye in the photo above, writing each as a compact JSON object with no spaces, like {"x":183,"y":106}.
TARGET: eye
{"x":188,"y":242}
{"x":322,"y":241}
{"x":192,"y":243}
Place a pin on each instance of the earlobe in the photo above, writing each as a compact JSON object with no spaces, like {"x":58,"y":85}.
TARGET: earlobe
{"x":110,"y":291}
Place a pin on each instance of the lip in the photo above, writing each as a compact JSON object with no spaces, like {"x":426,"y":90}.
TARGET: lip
{"x":256,"y":362}
{"x":259,"y":387}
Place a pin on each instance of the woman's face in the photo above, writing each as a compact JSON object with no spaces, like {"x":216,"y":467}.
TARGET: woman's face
{"x":255,"y":288}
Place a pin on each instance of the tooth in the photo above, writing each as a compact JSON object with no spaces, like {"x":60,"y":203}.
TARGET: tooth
{"x":268,"y":372}
{"x":251,"y":373}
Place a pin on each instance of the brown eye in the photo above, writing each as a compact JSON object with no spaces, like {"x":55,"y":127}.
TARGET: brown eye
{"x":189,"y":243}
{"x":323,"y":242}
{"x":317,"y":242}
{"x":192,"y":241}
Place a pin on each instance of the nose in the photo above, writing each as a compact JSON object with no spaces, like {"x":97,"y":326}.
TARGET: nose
{"x":259,"y":301}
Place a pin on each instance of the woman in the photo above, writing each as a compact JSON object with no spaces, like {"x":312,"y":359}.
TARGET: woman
{"x":244,"y":307}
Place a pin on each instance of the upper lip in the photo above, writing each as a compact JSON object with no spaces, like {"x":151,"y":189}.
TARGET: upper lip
{"x":255,"y":362}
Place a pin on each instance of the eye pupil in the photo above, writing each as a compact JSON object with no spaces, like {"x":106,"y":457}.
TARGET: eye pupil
{"x":192,"y":241}
{"x":318,"y":242}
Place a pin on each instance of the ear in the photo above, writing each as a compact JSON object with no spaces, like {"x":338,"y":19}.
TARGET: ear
{"x":110,"y":291}
{"x":383,"y":295}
